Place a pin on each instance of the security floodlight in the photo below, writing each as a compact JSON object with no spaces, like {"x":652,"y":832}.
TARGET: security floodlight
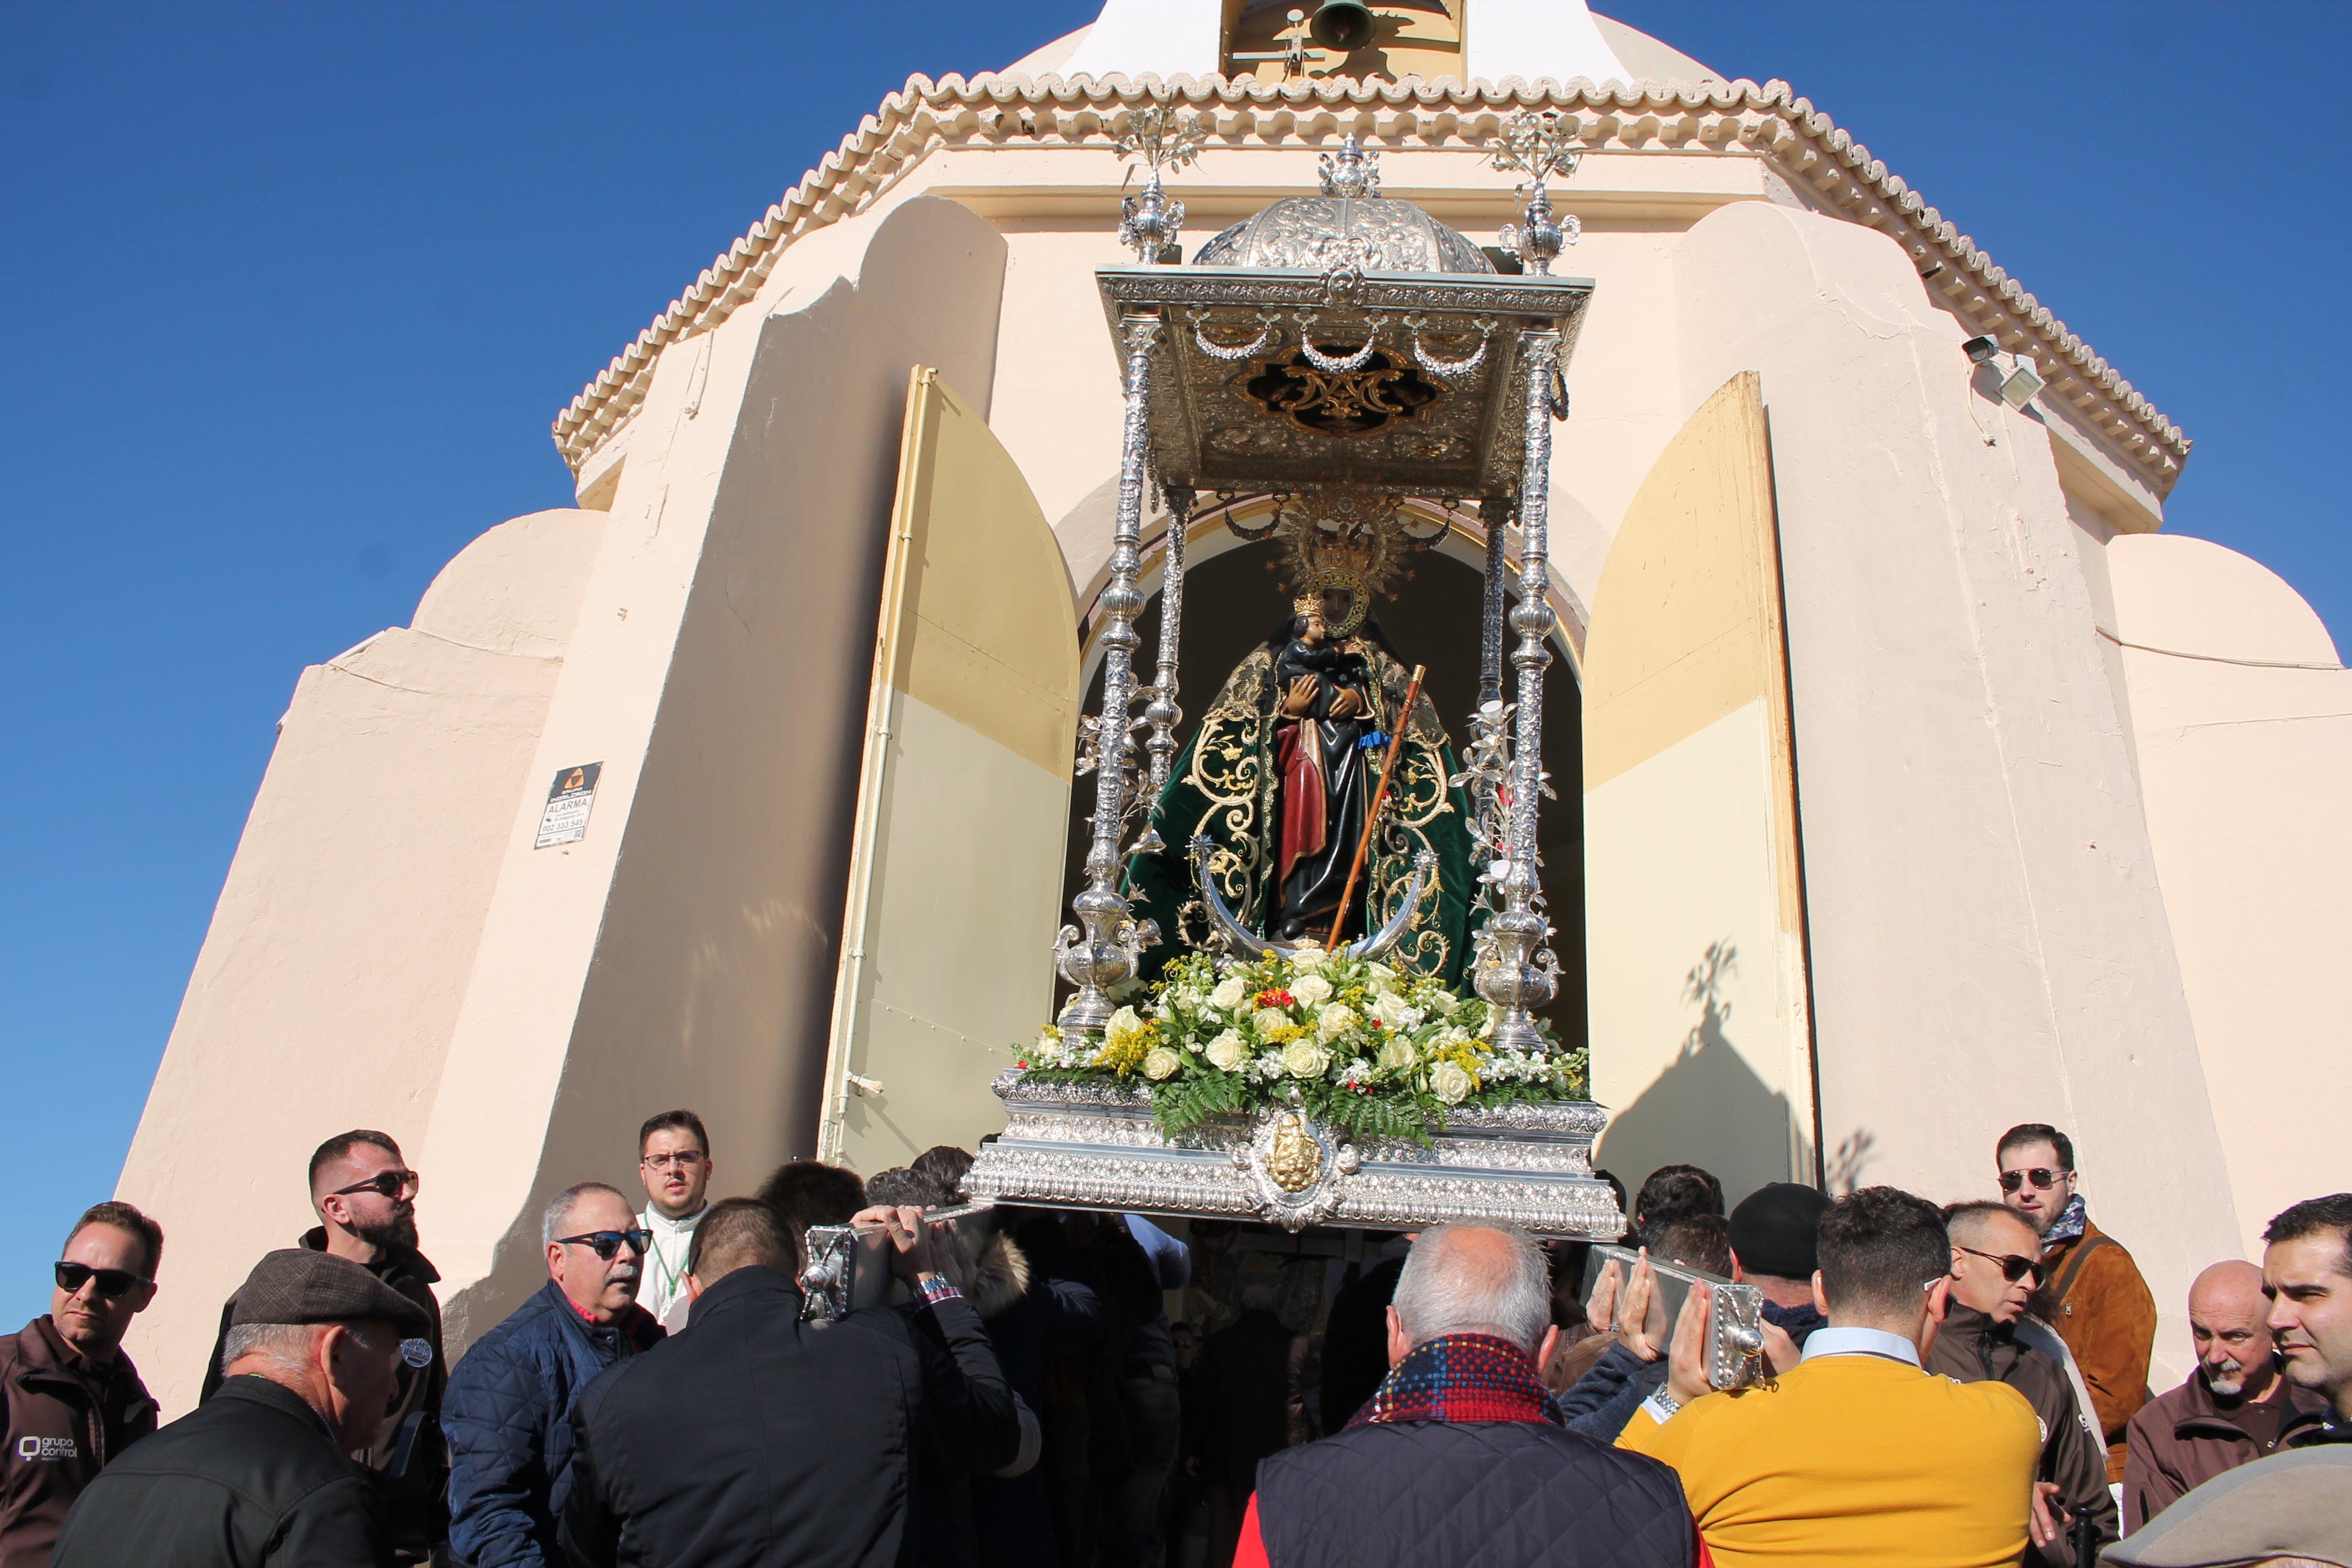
{"x":2018,"y":387}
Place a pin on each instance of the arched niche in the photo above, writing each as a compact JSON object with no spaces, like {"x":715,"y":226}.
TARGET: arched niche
{"x":1232,"y":599}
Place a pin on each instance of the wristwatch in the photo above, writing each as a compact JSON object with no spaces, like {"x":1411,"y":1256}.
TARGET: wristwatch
{"x":936,"y":1287}
{"x":1662,"y":1405}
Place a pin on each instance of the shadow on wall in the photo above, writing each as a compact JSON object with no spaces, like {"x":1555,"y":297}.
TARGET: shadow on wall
{"x":1852,"y":1157}
{"x":1709,"y":1108}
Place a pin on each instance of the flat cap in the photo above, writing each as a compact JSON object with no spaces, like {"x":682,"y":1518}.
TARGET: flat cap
{"x":1774,"y":1228}
{"x":299,"y":1286}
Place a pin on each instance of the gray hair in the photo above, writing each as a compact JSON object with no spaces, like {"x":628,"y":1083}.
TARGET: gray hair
{"x":286,"y":1346}
{"x":559,"y":1208}
{"x":289,"y":1346}
{"x":1453,"y":1286}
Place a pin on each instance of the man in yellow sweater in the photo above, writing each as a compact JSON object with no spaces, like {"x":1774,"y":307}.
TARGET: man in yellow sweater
{"x":1854,"y":1454}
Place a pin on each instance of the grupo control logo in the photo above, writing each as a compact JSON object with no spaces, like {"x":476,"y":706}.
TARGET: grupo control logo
{"x":30,"y":1447}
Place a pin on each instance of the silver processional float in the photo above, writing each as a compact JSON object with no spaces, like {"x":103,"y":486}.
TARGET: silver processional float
{"x":1289,"y":1081}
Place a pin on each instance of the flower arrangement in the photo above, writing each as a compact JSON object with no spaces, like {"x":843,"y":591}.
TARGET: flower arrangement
{"x":1362,"y":1047}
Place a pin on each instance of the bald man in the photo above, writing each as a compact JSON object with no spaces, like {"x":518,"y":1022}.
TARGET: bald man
{"x":2234,"y":1407}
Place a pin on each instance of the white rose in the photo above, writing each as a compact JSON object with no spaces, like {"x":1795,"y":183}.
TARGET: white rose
{"x":1304,"y":1058}
{"x":1311,"y":990}
{"x":1395,"y":1011}
{"x":1308,"y":958}
{"x":1384,"y":979}
{"x":1229,"y":994}
{"x":1444,"y":1004}
{"x":1161,"y":1062}
{"x":1228,"y":1052}
{"x":1126,"y":1021}
{"x":1397,"y":1054}
{"x":1335,"y":1020}
{"x":1270,"y":1018}
{"x":1450,"y":1083}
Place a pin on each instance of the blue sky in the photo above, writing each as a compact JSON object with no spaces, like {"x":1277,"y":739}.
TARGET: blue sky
{"x":293,"y":291}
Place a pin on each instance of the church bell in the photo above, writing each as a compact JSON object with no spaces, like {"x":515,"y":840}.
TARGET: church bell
{"x":1342,"y":25}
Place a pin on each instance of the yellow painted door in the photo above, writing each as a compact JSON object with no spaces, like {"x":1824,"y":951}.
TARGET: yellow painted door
{"x":1694,"y":888}
{"x":964,"y":799}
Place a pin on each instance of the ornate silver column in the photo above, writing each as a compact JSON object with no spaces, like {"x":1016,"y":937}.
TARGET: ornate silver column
{"x":1519,"y":974}
{"x":1105,"y":953}
{"x":1162,"y":712}
{"x":1495,"y":512}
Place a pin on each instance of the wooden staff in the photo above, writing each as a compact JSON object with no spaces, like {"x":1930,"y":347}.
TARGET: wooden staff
{"x":1380,"y":798}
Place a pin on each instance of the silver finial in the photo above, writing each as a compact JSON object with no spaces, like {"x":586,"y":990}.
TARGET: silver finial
{"x":1539,"y":146}
{"x":1352,"y":172}
{"x":1151,"y":220}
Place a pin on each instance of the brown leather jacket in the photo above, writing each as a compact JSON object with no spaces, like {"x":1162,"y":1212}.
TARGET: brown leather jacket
{"x":2100,"y":1306}
{"x":65,"y":1419}
{"x":2181,"y":1440}
{"x":1970,"y":1348}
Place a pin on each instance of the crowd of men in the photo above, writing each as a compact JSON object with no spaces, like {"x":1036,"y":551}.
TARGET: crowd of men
{"x":1963,"y":1384}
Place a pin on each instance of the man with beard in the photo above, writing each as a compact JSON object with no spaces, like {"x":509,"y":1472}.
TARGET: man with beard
{"x":2234,"y":1407}
{"x":365,"y":1197}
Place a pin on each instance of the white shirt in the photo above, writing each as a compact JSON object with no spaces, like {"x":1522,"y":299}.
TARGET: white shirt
{"x":663,"y":1284}
{"x":1828,"y":1341}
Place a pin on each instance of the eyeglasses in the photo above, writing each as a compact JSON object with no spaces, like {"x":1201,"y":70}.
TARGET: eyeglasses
{"x":2012,"y":1268}
{"x":113,"y":1283}
{"x":392,"y":1184}
{"x":684,"y":1159}
{"x":608,"y":1242}
{"x":2041,"y":1176}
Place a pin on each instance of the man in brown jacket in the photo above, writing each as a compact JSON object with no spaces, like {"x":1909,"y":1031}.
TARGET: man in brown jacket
{"x":1994,"y":1273}
{"x":2234,"y":1407}
{"x":2092,"y":1292}
{"x":74,"y":1399}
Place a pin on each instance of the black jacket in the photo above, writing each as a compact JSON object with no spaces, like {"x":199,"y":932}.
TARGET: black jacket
{"x":754,"y":1437}
{"x":1438,"y":1494}
{"x":412,"y":1464}
{"x":1971,"y":1348}
{"x":251,"y":1476}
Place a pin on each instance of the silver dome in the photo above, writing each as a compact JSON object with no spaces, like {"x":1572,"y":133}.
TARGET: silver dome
{"x":1349,"y":222}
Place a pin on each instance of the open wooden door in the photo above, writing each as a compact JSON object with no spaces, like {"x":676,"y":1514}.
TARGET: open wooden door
{"x":1699,"y":997}
{"x":964,"y":799}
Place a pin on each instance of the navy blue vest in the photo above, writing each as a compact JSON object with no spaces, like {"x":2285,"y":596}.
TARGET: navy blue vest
{"x":1470,"y":1494}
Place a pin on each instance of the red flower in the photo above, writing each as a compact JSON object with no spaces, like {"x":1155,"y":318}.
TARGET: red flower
{"x":1276,"y":999}
{"x":1023,"y":1065}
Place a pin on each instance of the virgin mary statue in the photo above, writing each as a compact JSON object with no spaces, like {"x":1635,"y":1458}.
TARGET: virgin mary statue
{"x":1280,"y":778}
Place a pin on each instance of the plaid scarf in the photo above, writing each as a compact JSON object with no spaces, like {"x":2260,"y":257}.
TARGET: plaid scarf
{"x":2068,"y":1225}
{"x":1463,"y":1377}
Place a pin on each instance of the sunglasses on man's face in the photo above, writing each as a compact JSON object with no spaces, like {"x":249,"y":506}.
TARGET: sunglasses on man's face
{"x":2012,"y":1268}
{"x":608,"y":1242}
{"x":392,"y":1184}
{"x":2041,"y":1176}
{"x":113,"y":1283}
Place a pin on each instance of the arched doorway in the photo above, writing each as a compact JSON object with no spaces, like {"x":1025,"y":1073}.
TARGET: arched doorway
{"x":1233,"y":600}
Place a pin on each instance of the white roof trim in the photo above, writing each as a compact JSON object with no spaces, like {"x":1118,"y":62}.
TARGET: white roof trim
{"x":1737,"y":118}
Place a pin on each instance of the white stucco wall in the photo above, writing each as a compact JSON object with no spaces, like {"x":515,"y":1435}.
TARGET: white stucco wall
{"x":2242,"y":716}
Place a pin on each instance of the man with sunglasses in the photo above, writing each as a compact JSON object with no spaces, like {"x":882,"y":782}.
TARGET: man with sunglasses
{"x":365,"y":1197}
{"x":1988,"y":1337}
{"x":74,"y":1400}
{"x":2092,"y":1292}
{"x":508,"y":1410}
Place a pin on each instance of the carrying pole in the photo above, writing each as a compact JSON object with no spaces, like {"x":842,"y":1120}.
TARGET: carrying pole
{"x":1380,"y":798}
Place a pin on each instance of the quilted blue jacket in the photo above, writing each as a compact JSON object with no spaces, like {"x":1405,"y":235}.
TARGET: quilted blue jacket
{"x":508,"y":1419}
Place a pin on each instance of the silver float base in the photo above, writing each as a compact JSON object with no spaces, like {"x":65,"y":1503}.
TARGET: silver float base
{"x":1095,"y":1146}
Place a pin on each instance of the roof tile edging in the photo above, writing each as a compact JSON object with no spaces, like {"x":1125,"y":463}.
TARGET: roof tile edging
{"x":1837,"y":170}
